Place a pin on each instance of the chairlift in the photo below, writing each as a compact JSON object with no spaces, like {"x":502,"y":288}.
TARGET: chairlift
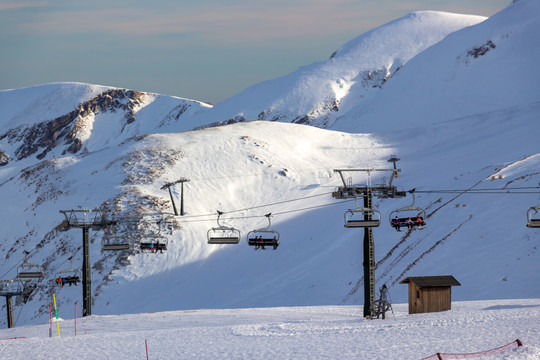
{"x":264,"y":237}
{"x":29,"y":271}
{"x":154,"y":241}
{"x":533,"y":217}
{"x":113,"y":241}
{"x":223,"y":234}
{"x":415,"y":219}
{"x":68,"y":276}
{"x":361,"y":217}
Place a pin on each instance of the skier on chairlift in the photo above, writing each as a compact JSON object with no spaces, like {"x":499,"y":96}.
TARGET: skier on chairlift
{"x":419,"y":221}
{"x":275,"y":243}
{"x":395,"y":223}
{"x":410,"y":223}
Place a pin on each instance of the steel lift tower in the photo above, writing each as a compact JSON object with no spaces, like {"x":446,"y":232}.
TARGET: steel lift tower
{"x":168,"y":186}
{"x":367,"y":191}
{"x":86,"y":219}
{"x":10,"y":288}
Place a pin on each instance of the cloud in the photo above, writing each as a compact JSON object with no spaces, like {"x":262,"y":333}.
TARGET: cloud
{"x":15,"y":5}
{"x":225,"y":23}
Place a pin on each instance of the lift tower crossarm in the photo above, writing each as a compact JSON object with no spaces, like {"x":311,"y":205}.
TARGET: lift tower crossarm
{"x":340,"y":172}
{"x":349,"y":191}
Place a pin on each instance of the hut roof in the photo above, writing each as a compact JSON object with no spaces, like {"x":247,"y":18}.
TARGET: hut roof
{"x":431,"y":281}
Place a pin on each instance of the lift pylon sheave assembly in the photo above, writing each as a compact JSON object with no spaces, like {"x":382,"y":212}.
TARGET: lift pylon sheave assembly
{"x":86,"y":219}
{"x":533,"y":217}
{"x":367,"y":191}
{"x":223,"y":234}
{"x":264,"y":237}
{"x":415,"y":216}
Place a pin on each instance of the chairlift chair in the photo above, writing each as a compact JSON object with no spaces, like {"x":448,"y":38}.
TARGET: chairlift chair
{"x":533,"y":217}
{"x":356,"y":218}
{"x":223,"y":234}
{"x":29,"y":271}
{"x":72,"y":277}
{"x":403,"y":221}
{"x":264,"y":237}
{"x":154,"y":240}
{"x":114,"y":241}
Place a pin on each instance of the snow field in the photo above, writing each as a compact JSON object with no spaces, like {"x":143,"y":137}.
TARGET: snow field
{"x":315,"y":332}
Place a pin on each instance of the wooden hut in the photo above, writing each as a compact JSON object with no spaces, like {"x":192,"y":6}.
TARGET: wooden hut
{"x":430,"y":293}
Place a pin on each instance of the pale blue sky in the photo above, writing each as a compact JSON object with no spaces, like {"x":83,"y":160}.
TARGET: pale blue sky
{"x":206,"y":50}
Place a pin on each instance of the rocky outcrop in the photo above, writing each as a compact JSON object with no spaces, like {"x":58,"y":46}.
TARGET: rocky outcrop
{"x":43,"y":137}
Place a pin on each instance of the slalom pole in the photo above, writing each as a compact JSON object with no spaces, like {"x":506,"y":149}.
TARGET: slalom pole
{"x":56,"y":313}
{"x":146,"y":345}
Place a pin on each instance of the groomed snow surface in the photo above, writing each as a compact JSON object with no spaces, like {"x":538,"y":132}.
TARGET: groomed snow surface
{"x":318,"y":332}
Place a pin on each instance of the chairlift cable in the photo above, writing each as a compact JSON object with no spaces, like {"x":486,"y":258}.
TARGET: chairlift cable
{"x":503,"y":191}
{"x":485,"y":191}
{"x":7,"y":272}
{"x":274,"y":213}
{"x":259,"y":206}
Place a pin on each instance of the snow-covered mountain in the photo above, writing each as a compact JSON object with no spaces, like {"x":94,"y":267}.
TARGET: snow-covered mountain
{"x":47,"y":121}
{"x":318,"y":93}
{"x":479,"y":69}
{"x":70,"y":146}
